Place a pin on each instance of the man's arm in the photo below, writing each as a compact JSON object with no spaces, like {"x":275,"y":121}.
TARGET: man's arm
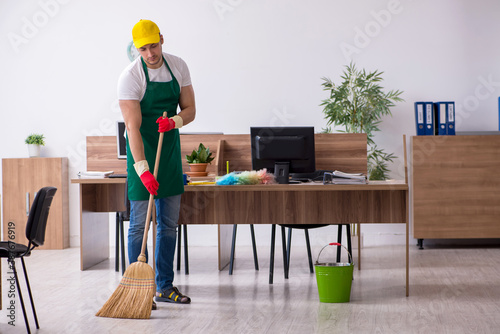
{"x":187,"y":104}
{"x":131,"y":111}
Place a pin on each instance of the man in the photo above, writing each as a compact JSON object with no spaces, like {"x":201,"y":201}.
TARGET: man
{"x":155,"y":82}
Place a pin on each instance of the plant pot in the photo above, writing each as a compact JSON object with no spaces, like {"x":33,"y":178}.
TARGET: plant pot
{"x":33,"y":150}
{"x":198,"y":168}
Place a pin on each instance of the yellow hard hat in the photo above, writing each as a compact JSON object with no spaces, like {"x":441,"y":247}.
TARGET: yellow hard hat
{"x":145,"y":32}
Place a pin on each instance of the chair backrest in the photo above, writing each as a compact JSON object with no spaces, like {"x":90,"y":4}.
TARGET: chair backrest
{"x":37,"y":219}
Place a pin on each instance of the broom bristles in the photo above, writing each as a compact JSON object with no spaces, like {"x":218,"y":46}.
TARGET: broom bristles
{"x":133,"y":299}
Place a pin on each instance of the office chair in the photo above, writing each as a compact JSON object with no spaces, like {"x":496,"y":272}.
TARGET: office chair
{"x":35,"y":233}
{"x":179,"y":238}
{"x":287,"y":245}
{"x":233,"y":246}
{"x":120,"y":239}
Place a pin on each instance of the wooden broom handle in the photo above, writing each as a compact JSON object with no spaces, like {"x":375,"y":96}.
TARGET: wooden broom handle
{"x":151,"y":198}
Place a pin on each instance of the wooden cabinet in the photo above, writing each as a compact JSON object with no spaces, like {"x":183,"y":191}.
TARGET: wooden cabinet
{"x":455,"y":186}
{"x":22,"y":178}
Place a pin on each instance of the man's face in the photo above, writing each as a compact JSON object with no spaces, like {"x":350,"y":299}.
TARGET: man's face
{"x":152,"y":54}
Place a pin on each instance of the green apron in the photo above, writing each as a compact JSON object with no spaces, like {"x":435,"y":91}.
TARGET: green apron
{"x":159,"y":97}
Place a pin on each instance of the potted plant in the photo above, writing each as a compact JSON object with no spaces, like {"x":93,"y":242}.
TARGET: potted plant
{"x":358,"y":104}
{"x":199,"y":159}
{"x":34,"y":141}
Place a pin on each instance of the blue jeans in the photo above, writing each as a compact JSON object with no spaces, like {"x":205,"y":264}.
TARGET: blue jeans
{"x":167,"y":215}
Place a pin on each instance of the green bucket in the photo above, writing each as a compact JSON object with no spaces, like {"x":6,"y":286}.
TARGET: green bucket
{"x":334,"y":279}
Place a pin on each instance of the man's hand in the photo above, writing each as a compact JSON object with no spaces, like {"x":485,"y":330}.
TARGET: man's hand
{"x":148,"y":179}
{"x":150,"y":182}
{"x":165,"y":124}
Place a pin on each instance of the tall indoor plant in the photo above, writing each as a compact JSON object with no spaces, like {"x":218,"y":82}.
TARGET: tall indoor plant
{"x":358,"y":103}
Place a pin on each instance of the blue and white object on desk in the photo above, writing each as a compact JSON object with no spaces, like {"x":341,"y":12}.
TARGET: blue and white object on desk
{"x":450,"y":118}
{"x":420,"y":118}
{"x":429,"y":118}
{"x":440,"y":117}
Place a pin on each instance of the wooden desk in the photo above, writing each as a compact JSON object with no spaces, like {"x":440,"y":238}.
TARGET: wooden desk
{"x":377,"y":202}
{"x":342,"y":151}
{"x":308,"y":203}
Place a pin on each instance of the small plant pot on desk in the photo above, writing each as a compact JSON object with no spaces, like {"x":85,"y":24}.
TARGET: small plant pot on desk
{"x":199,"y":160}
{"x":198,"y":169}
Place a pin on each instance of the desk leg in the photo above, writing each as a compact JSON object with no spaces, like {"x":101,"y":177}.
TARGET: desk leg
{"x":407,"y":254}
{"x":94,"y":238}
{"x":96,"y":202}
{"x":359,"y":246}
{"x":225,"y":237}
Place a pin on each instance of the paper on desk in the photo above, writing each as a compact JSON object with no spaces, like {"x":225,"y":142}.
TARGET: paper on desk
{"x":94,"y":175}
{"x":358,"y":176}
{"x":348,"y":181}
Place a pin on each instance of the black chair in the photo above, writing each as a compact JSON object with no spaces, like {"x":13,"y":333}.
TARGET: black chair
{"x":287,"y":245}
{"x":179,"y":239}
{"x":233,"y":249}
{"x":120,"y":239}
{"x":35,"y":233}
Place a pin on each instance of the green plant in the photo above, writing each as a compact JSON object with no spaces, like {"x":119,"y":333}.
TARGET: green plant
{"x":358,"y":104}
{"x":202,"y":155}
{"x":35,"y":139}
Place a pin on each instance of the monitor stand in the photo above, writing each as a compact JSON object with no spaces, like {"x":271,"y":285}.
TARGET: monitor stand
{"x":281,"y":172}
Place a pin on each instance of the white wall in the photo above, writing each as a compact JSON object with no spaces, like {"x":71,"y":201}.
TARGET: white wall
{"x":252,"y":63}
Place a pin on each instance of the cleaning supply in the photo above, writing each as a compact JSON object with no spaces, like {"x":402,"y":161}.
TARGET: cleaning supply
{"x":133,"y":299}
{"x":195,"y":183}
{"x":334,"y":279}
{"x":246,"y":178}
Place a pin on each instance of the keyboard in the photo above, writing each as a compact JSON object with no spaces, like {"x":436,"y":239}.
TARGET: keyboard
{"x":113,"y":176}
{"x":306,"y":177}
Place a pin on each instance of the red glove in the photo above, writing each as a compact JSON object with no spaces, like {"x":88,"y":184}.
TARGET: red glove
{"x":150,"y":182}
{"x":165,"y":124}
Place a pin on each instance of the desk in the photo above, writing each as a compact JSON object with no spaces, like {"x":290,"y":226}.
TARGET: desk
{"x":307,"y":203}
{"x":373,"y":203}
{"x":345,"y":151}
{"x":98,"y":197}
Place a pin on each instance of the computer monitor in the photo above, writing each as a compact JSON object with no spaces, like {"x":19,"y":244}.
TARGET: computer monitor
{"x":290,"y":148}
{"x":121,"y":140}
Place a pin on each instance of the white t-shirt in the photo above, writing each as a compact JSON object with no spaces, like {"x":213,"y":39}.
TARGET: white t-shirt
{"x":132,"y":81}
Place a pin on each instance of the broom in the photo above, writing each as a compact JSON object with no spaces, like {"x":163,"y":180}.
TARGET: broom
{"x":133,"y":299}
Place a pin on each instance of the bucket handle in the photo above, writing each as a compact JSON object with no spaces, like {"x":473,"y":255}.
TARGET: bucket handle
{"x":334,"y":244}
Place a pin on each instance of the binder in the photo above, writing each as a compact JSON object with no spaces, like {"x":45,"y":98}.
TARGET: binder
{"x":450,"y":118}
{"x":440,"y":118}
{"x":420,"y":118}
{"x":429,"y":118}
